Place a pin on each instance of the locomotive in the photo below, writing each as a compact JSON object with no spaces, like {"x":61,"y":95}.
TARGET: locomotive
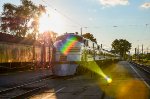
{"x":73,"y":50}
{"x":67,"y":53}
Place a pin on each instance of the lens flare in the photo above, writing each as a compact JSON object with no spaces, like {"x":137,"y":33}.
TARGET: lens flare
{"x":68,"y":44}
{"x":109,"y":80}
{"x":94,"y":67}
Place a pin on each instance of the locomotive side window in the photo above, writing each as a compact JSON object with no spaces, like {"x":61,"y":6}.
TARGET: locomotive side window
{"x":98,"y":47}
{"x":93,"y":45}
{"x":87,"y":43}
{"x":84,"y":41}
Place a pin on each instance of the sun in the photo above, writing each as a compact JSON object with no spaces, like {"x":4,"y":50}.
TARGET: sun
{"x":44,"y":22}
{"x":51,"y":22}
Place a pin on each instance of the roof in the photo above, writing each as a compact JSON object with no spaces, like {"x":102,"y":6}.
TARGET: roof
{"x":14,"y":39}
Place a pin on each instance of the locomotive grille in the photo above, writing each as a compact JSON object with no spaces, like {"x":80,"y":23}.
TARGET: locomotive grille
{"x":63,"y":58}
{"x":74,"y":49}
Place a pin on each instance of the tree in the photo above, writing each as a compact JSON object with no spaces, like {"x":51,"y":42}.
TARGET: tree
{"x":90,"y":36}
{"x":121,"y":46}
{"x":15,"y":19}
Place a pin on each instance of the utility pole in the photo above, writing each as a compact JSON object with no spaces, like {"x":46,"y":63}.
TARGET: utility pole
{"x":142,"y":49}
{"x":142,"y":53}
{"x":101,"y":46}
{"x":81,"y":31}
{"x":135,"y":54}
{"x":138,"y":52}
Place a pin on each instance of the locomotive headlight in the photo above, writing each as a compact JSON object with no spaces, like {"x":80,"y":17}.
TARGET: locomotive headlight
{"x":109,"y":80}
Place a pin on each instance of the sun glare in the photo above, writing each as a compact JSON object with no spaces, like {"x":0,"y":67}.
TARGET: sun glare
{"x":51,"y":22}
{"x":44,"y":22}
{"x":109,"y":80}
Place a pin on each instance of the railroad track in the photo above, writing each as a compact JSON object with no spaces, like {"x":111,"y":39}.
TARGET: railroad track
{"x":27,"y":89}
{"x":144,"y":73}
{"x":22,"y":89}
{"x":142,"y":67}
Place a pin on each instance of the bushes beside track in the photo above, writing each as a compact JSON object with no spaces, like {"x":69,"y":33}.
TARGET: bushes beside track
{"x":83,"y":67}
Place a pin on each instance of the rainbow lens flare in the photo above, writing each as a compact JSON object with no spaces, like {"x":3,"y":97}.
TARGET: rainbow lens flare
{"x":68,"y":44}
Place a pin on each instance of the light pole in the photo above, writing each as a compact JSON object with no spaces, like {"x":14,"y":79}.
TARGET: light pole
{"x":81,"y":29}
{"x":0,"y":22}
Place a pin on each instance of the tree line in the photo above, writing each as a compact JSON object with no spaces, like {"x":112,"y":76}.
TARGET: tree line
{"x":15,"y":19}
{"x":119,"y":46}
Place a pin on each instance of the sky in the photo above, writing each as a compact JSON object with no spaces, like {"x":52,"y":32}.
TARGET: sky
{"x":107,"y":20}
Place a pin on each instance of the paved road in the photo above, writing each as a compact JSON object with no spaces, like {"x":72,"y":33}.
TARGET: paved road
{"x":126,"y":84}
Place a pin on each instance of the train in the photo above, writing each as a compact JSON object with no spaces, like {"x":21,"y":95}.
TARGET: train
{"x":72,"y":50}
{"x":64,"y":56}
{"x":19,"y":53}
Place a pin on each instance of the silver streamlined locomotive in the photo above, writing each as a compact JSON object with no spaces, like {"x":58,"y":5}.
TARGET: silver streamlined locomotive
{"x":72,"y":50}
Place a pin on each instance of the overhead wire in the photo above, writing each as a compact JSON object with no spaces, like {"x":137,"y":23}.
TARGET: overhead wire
{"x":79,"y":25}
{"x":65,"y":16}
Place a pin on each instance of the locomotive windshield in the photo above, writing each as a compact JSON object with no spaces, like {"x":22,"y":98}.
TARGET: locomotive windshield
{"x":67,"y":43}
{"x":70,"y":37}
